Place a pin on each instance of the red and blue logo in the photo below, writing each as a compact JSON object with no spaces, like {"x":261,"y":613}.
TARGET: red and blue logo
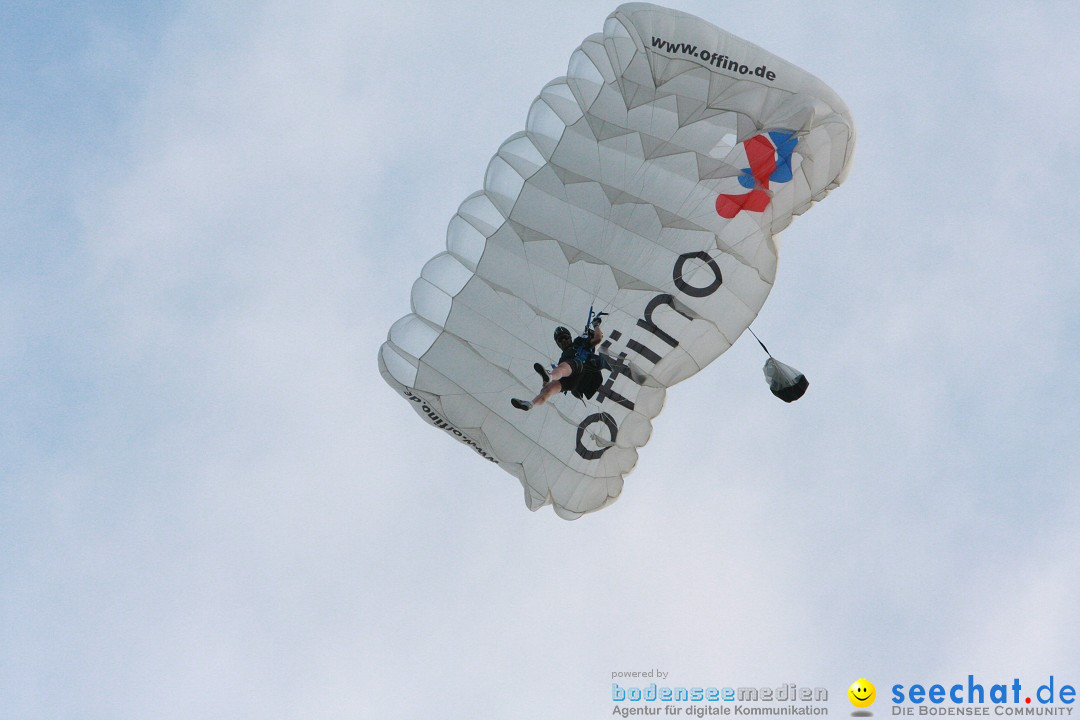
{"x":769,"y":155}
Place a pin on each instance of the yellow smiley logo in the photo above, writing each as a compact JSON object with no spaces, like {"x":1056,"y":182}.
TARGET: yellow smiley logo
{"x":862,"y":693}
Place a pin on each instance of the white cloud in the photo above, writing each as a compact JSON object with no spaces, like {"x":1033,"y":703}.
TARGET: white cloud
{"x":222,"y":510}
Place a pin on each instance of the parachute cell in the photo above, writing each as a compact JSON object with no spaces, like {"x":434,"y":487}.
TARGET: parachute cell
{"x":650,"y":182}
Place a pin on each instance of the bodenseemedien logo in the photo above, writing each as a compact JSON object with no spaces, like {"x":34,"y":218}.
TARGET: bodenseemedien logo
{"x":706,"y":700}
{"x":862,"y":694}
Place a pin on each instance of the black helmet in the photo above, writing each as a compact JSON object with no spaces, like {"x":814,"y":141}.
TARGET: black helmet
{"x":561,"y":332}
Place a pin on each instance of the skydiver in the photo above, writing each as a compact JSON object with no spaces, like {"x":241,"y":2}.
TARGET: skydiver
{"x":578,"y":371}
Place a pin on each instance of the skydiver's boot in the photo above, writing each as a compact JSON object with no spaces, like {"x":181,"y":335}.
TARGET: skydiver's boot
{"x":521,"y":404}
{"x":543,"y":373}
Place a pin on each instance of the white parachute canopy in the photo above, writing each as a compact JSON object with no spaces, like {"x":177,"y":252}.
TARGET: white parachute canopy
{"x":650,"y":182}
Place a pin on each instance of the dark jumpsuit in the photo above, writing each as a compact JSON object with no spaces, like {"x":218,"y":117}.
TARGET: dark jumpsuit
{"x":585,"y":364}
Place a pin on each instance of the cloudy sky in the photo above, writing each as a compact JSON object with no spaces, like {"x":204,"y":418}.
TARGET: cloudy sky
{"x":211,"y":505}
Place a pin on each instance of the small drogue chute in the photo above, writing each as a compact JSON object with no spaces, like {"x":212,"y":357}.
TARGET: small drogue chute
{"x":785,"y":382}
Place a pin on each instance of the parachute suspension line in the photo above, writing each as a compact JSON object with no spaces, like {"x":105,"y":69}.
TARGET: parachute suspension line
{"x":610,"y":229}
{"x":759,"y":341}
{"x":497,"y":351}
{"x":670,"y":287}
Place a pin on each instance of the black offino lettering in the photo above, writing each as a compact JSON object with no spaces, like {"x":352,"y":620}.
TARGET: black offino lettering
{"x":635,"y":346}
{"x":692,"y":290}
{"x":646,"y":320}
{"x":618,"y":367}
{"x":711,"y":58}
{"x":585,"y":424}
{"x":447,"y":427}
